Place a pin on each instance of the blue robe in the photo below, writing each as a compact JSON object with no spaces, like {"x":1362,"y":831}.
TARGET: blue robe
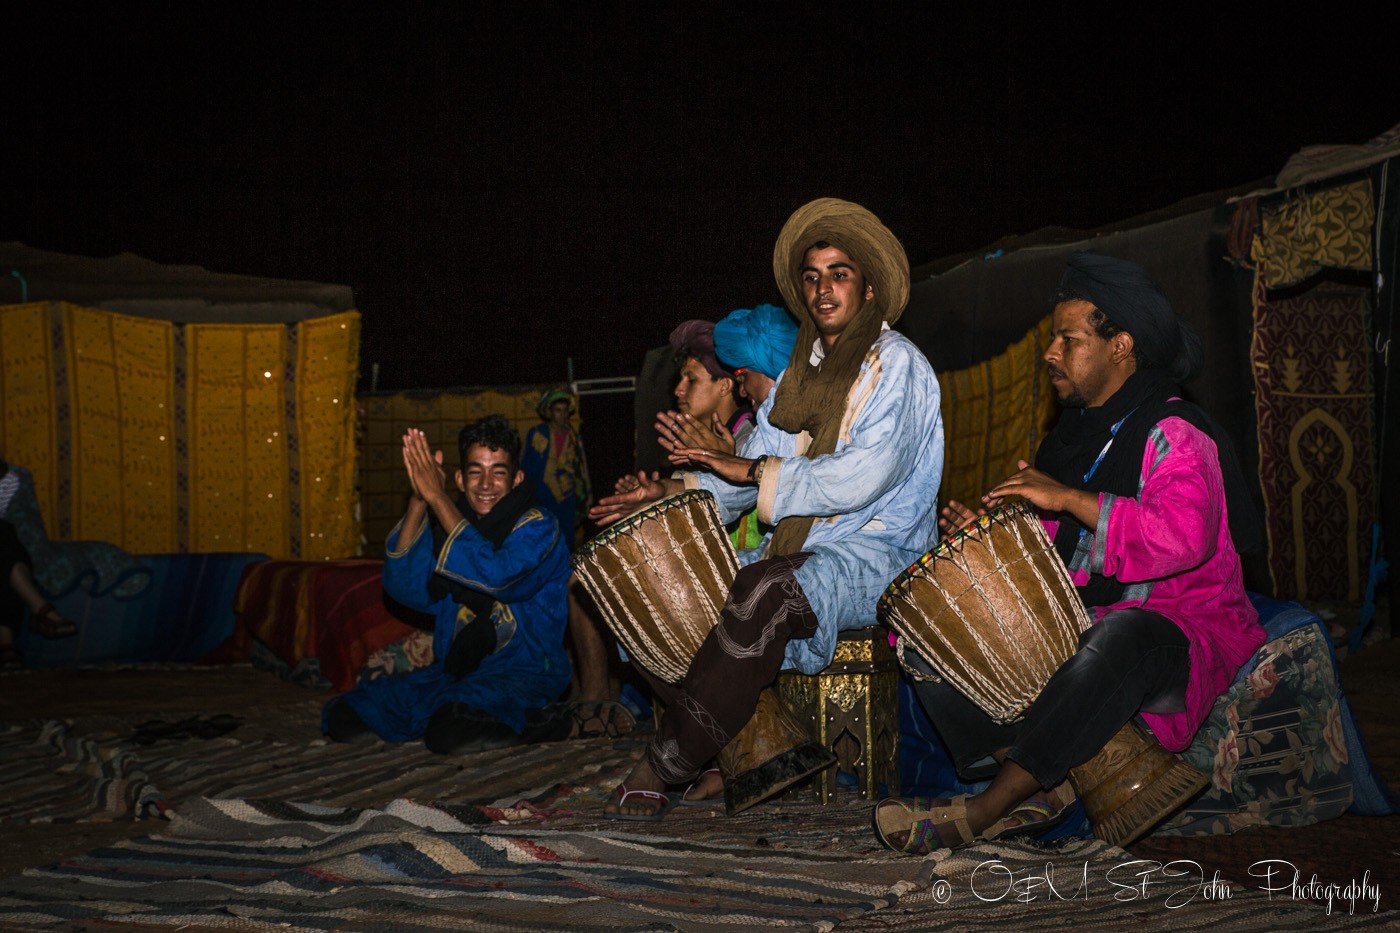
{"x":527,"y":577}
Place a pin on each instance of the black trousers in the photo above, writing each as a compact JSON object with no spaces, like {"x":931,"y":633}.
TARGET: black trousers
{"x":1131,"y":661}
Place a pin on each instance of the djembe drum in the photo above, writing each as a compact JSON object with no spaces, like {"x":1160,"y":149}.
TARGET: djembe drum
{"x":660,"y":577}
{"x":993,"y":610}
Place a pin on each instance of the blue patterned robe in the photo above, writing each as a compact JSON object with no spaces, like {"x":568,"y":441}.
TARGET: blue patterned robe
{"x":527,"y":578}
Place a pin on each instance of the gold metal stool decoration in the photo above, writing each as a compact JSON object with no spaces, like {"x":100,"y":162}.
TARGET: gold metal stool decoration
{"x":852,"y":708}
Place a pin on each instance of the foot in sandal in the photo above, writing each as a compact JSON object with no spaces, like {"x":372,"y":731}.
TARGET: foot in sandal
{"x":50,"y":624}
{"x":641,"y":796}
{"x":920,"y":825}
{"x":1040,"y":811}
{"x":707,"y":788}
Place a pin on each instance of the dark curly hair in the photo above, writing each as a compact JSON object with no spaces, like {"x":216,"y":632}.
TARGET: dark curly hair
{"x":1107,"y":330}
{"x":493,"y":431}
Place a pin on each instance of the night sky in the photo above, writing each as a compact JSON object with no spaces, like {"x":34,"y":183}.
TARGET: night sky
{"x":506,"y":186}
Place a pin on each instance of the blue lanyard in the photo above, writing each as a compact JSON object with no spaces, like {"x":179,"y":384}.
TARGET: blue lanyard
{"x":1112,"y":433}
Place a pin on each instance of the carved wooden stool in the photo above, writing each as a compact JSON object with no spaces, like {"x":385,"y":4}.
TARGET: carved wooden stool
{"x":852,"y":708}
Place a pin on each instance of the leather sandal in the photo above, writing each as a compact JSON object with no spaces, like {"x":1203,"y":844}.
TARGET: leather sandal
{"x":50,"y":624}
{"x":930,"y":824}
{"x":1043,"y":810}
{"x":595,"y":719}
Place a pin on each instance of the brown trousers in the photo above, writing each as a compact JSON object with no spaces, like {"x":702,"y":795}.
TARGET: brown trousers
{"x":742,"y":654}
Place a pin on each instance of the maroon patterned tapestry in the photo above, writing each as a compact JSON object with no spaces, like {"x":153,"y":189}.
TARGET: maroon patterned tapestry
{"x":1311,"y":357}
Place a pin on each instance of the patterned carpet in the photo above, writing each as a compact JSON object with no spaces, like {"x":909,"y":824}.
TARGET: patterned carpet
{"x":248,"y":865}
{"x":267,"y":829}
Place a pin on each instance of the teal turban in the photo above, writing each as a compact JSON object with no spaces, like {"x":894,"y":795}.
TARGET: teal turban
{"x":760,"y":339}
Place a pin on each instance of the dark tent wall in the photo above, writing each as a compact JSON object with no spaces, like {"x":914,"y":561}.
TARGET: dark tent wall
{"x":130,"y":284}
{"x":655,"y":388}
{"x":976,"y":309}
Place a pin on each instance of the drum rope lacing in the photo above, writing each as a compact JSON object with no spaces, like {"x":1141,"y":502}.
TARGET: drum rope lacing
{"x":680,"y":637}
{"x":1000,"y":690}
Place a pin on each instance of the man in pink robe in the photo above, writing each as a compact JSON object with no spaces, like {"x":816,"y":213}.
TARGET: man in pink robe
{"x":1146,"y":505}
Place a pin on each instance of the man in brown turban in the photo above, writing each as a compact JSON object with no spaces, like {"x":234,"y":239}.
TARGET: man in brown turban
{"x":845,"y":460}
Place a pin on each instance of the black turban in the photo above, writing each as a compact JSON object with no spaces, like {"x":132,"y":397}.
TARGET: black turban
{"x":1134,"y":302}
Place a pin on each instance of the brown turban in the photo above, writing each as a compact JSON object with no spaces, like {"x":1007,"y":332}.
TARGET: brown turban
{"x":857,"y":233}
{"x":813,"y":399}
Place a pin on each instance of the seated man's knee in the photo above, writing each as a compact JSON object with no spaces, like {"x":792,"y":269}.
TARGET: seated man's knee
{"x":759,"y":591}
{"x":1125,"y":635}
{"x":1099,"y":639}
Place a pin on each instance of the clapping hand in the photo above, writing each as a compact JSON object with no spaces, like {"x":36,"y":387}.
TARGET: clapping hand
{"x":676,"y":430}
{"x":424,"y":467}
{"x":735,"y":469}
{"x":629,"y":481}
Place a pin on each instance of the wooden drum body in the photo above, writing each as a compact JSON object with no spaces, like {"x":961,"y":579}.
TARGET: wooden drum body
{"x":660,"y":578}
{"x":993,"y":610}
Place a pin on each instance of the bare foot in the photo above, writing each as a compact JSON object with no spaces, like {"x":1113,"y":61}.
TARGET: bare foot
{"x":708,"y":786}
{"x":641,"y":778}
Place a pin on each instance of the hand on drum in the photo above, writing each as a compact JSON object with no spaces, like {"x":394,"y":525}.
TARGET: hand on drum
{"x":424,"y":466}
{"x":956,"y":516}
{"x":1045,"y":493}
{"x":641,"y":490}
{"x":679,"y":429}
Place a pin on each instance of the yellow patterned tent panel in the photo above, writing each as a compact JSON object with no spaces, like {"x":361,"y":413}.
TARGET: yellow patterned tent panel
{"x":1327,"y":229}
{"x":237,"y":437}
{"x":328,"y":351}
{"x":121,"y":442}
{"x":27,"y":397}
{"x":994,"y":414}
{"x":160,"y":437}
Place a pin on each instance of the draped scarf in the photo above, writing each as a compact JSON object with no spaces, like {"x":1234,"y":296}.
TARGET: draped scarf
{"x":812,"y":398}
{"x":1070,"y":454}
{"x":495,"y":526}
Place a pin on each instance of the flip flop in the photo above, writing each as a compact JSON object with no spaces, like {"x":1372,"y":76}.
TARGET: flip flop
{"x":667,"y":803}
{"x":155,"y":730}
{"x":50,"y":624}
{"x":682,"y":801}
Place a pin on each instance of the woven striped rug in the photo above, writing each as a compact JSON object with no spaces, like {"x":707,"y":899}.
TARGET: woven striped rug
{"x":408,"y":866}
{"x":311,"y":836}
{"x":55,"y":772}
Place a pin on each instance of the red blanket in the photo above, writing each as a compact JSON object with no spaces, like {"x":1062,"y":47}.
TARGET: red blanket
{"x":334,"y":611}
